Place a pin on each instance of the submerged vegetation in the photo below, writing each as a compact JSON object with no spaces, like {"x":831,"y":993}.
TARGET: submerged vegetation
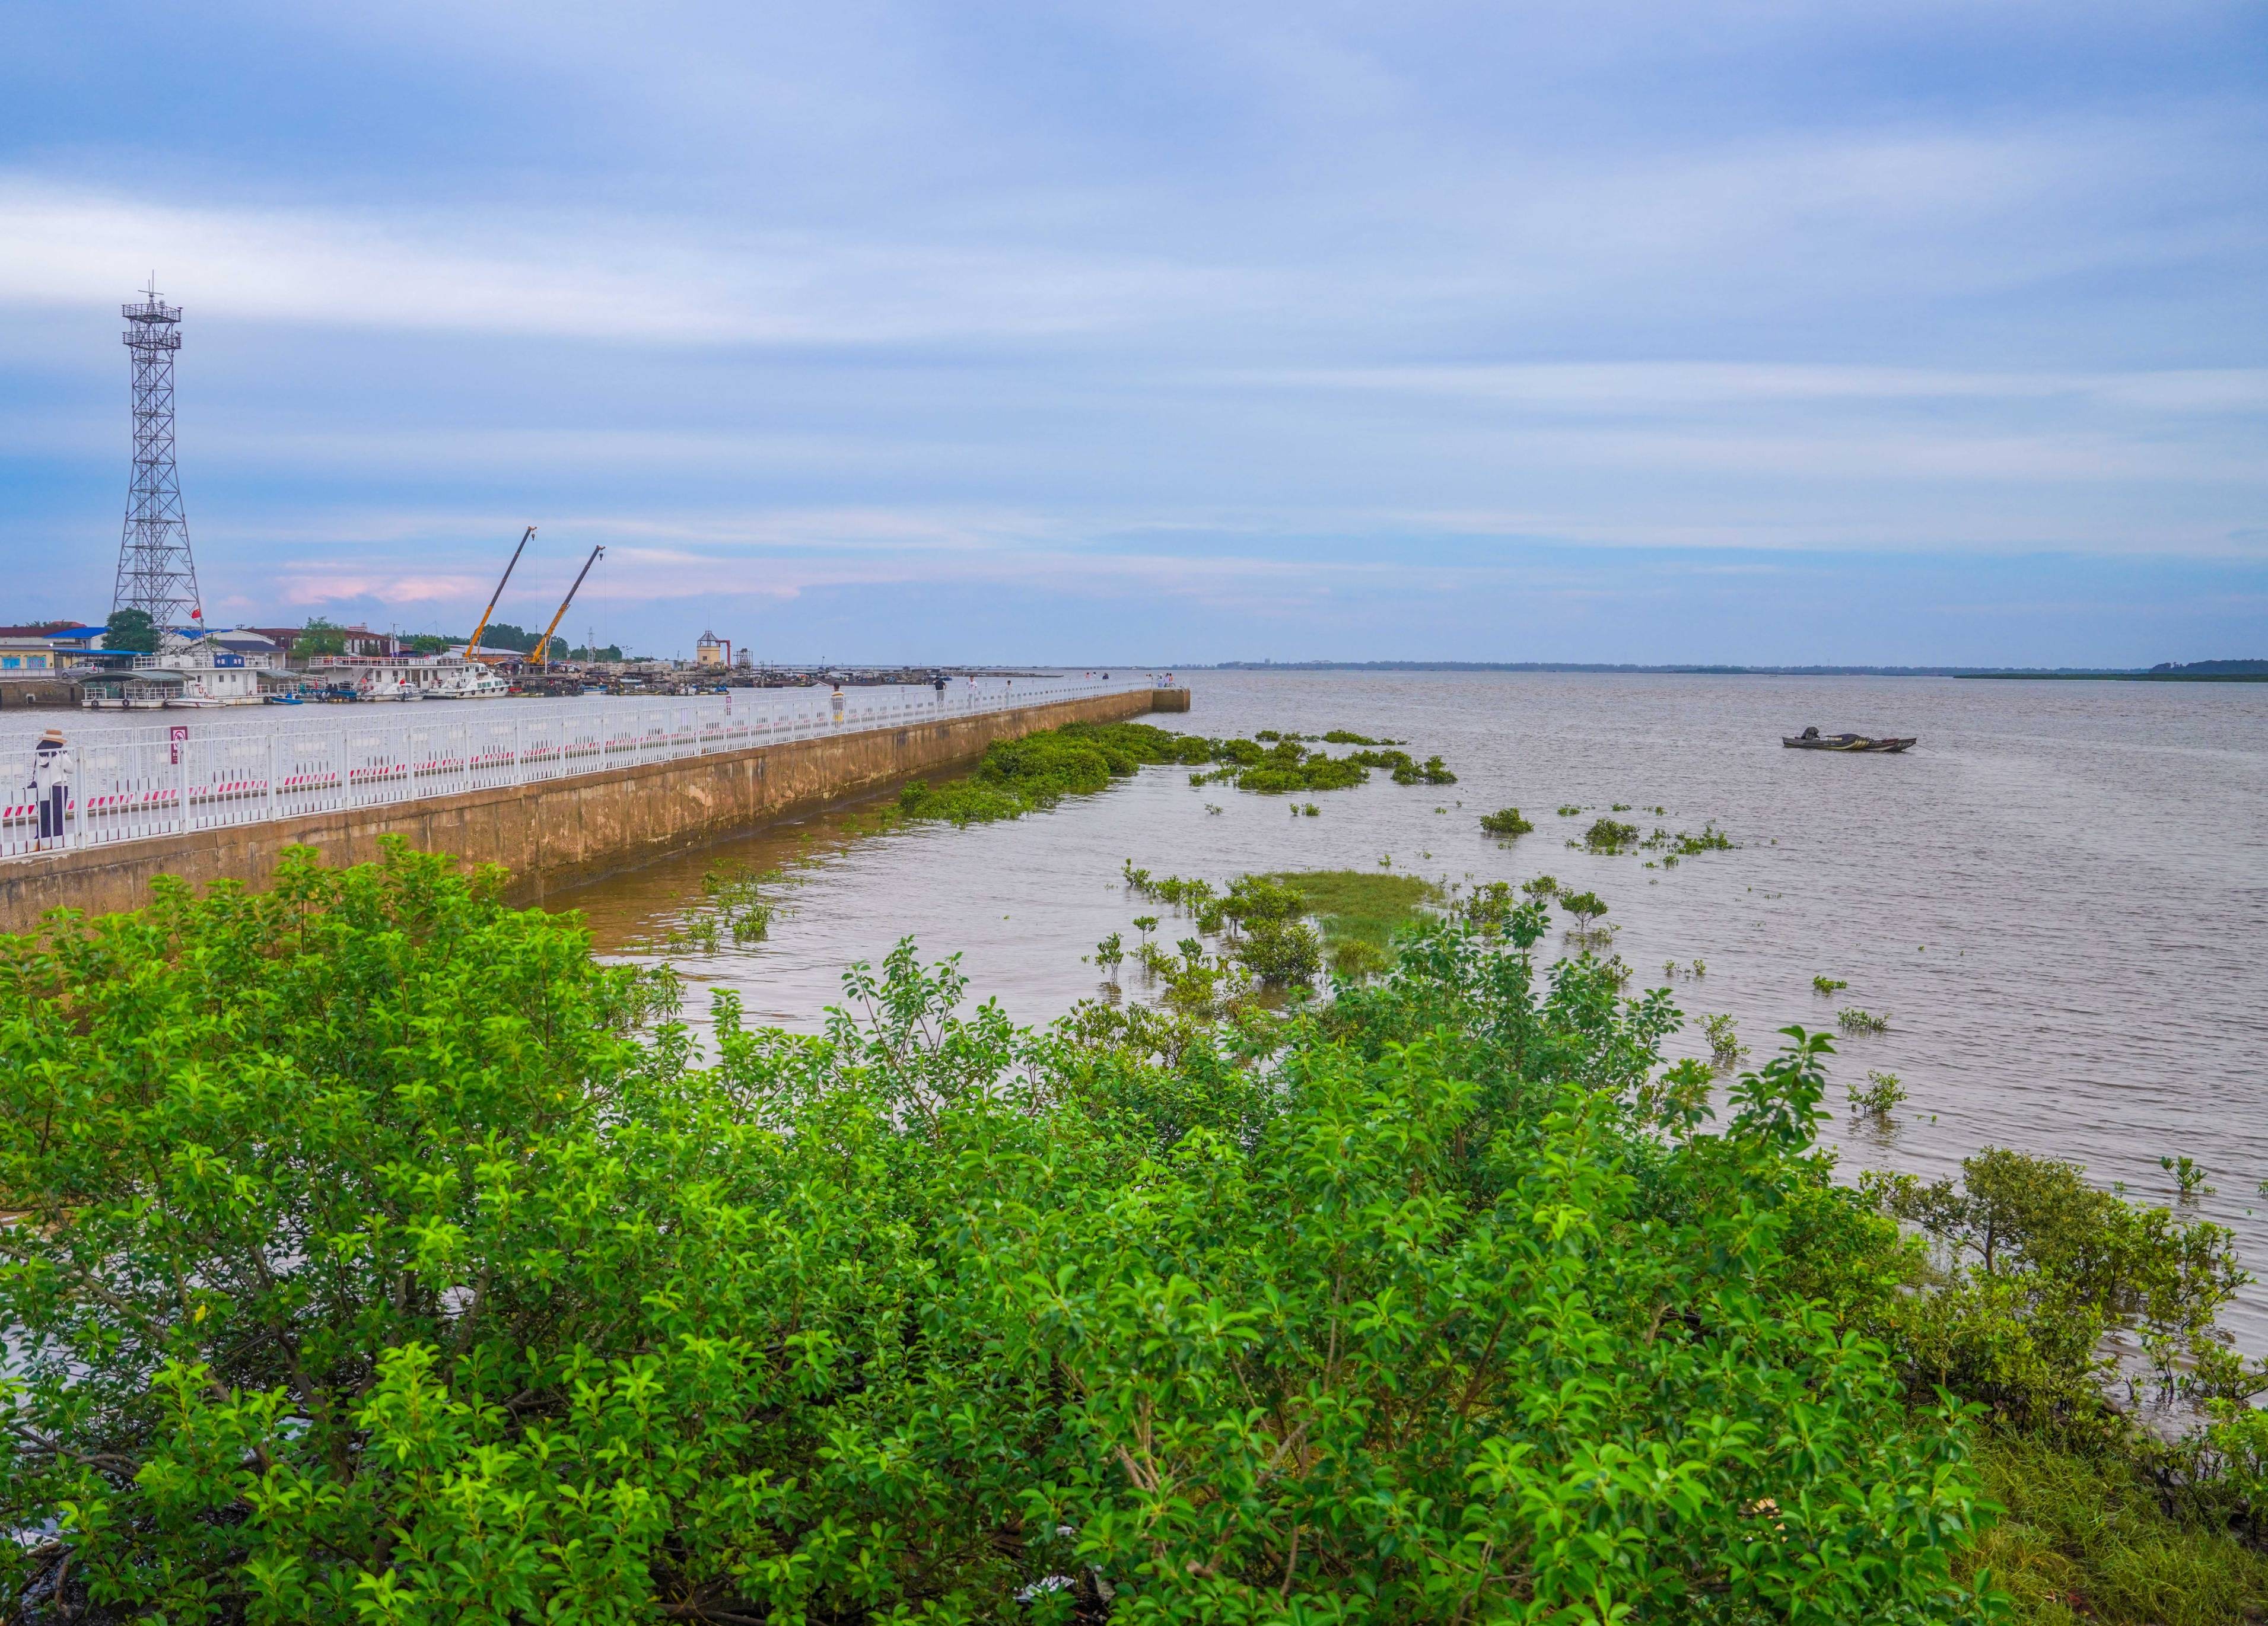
{"x":378,"y":1257}
{"x":1028,"y":775}
{"x":1505,"y":823}
{"x":1883,"y":1095}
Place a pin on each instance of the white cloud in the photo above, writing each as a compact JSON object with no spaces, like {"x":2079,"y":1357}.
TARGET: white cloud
{"x":653,"y":280}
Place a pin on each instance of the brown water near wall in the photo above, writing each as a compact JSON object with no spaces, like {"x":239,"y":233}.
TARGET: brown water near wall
{"x":2060,"y":897}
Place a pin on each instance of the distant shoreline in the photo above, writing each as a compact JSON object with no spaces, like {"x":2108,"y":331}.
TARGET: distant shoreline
{"x":2057,"y":673}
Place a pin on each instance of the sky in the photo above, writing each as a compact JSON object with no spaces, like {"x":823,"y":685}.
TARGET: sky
{"x":1775,"y":332}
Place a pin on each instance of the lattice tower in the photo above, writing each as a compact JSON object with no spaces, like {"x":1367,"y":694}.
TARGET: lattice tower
{"x":156,"y":574}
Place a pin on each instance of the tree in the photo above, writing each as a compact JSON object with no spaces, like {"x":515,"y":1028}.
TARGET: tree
{"x":131,"y":632}
{"x":320,"y":637}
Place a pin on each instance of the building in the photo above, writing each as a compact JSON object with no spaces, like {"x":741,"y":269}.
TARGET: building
{"x":712,"y":654}
{"x":35,"y":653}
{"x":48,"y":646}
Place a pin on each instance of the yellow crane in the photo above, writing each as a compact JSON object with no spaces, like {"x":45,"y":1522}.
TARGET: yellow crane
{"x":545,"y":644}
{"x":473,"y":644}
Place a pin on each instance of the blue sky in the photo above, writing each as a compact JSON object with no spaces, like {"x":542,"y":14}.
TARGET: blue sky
{"x":1764,"y":332}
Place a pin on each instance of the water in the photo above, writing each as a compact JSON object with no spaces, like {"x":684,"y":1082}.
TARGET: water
{"x":2060,"y":896}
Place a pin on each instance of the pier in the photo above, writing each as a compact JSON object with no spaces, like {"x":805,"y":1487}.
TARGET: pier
{"x":556,"y":792}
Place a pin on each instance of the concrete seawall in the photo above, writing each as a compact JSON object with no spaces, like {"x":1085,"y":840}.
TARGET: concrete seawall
{"x":561,"y":830}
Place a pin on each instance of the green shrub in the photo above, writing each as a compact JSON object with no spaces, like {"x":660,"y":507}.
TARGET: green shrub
{"x":1505,"y":823}
{"x":1281,"y":953}
{"x":1610,"y":835}
{"x":376,"y":1266}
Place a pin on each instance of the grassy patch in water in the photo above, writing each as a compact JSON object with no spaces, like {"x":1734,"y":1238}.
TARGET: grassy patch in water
{"x":1367,"y":906}
{"x":1017,"y":777}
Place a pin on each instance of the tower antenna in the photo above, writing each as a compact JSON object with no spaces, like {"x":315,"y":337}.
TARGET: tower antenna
{"x":156,"y":574}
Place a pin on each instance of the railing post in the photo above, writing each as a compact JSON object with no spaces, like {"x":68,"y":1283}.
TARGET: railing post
{"x":275,"y":756}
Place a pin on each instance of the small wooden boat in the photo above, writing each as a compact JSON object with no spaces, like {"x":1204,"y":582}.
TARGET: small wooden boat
{"x":1812,"y":739}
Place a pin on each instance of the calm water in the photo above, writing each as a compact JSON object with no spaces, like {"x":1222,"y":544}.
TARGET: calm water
{"x":2060,"y":896}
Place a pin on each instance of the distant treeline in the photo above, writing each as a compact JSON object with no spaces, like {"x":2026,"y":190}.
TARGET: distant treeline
{"x":2195,"y":672}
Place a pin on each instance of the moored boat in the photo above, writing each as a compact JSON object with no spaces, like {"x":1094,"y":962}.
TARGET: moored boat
{"x":1812,"y":739}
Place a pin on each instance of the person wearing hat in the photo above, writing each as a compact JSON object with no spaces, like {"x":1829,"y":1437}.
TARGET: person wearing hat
{"x":51,"y":768}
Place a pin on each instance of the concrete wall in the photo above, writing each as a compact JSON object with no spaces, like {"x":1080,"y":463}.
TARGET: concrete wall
{"x":561,"y":829}
{"x":19,"y":691}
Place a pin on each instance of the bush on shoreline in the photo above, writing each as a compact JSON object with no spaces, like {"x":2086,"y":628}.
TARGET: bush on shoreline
{"x":378,"y":1256}
{"x":373,"y":1266}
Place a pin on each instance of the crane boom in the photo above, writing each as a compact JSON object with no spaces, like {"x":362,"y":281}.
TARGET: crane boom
{"x":473,"y":643}
{"x":546,"y":642}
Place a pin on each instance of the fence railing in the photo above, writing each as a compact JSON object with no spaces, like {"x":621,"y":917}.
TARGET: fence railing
{"x":226,"y":766}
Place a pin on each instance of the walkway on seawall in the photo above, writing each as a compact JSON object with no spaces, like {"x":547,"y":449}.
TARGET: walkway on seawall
{"x":565,"y":824}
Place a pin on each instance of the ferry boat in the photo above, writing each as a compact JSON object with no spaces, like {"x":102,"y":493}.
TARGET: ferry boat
{"x":409,"y":677}
{"x":194,"y":675}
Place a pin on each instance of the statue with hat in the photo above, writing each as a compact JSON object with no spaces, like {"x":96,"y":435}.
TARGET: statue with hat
{"x":51,"y":771}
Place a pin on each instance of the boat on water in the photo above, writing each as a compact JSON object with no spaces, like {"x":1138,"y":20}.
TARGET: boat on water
{"x":409,"y":677}
{"x":1812,"y":739}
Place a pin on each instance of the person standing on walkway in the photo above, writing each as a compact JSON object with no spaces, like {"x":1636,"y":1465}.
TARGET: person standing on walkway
{"x":51,"y":771}
{"x":835,"y":705}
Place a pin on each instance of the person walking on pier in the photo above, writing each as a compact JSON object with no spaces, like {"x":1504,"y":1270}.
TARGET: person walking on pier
{"x":50,"y":785}
{"x":835,"y":705}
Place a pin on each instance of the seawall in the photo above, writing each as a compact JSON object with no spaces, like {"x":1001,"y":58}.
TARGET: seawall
{"x":561,"y":830}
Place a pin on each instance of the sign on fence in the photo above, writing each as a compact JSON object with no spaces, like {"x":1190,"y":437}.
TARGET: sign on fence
{"x":179,"y":734}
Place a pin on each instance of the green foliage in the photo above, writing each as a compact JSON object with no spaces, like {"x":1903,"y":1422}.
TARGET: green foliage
{"x":1281,"y":953}
{"x":1883,"y":1095}
{"x":1851,"y":1020}
{"x":740,"y":897}
{"x":2036,"y":1269}
{"x":2086,"y":1536}
{"x":320,"y":636}
{"x":2189,"y":1177}
{"x":1505,"y":823}
{"x":131,"y":632}
{"x":1610,"y":835}
{"x":1725,"y":1046}
{"x":1357,"y":960}
{"x":1569,"y":810}
{"x":1585,"y":907}
{"x":1362,"y":904}
{"x":1823,"y":984}
{"x":1017,"y":777}
{"x":375,"y":1268}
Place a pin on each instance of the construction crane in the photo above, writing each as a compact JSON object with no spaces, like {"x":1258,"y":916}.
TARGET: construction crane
{"x":546,"y":642}
{"x":473,"y":644}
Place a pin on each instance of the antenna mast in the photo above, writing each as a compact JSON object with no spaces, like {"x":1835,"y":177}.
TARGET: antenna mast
{"x":156,"y":574}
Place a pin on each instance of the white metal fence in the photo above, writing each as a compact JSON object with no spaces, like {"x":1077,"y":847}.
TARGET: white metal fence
{"x":218,"y":767}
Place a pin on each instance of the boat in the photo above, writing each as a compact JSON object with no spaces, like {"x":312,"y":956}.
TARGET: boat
{"x":1812,"y":739}
{"x":408,"y":677}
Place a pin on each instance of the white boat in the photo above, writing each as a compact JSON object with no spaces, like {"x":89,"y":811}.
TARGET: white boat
{"x":208,"y":674}
{"x":410,"y":677}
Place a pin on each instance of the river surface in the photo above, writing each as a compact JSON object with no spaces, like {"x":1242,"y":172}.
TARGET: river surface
{"x":2059,"y":897}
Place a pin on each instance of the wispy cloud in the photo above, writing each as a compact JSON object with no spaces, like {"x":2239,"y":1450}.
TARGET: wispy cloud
{"x":657,"y":279}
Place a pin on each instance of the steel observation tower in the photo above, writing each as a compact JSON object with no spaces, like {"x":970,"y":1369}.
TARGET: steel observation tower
{"x":156,"y":574}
